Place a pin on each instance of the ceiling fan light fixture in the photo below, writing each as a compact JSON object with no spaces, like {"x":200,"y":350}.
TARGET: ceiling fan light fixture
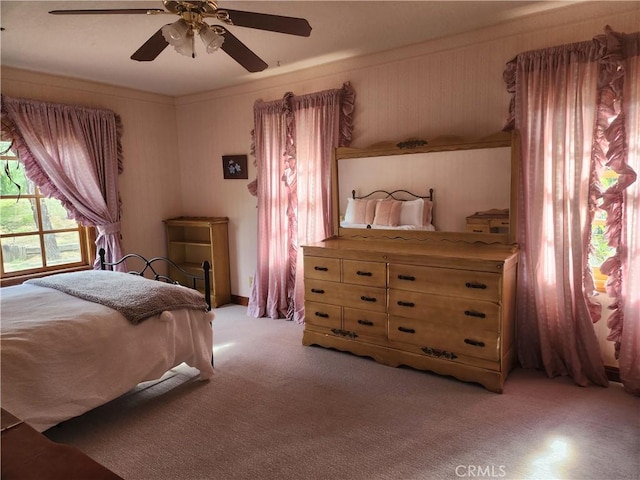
{"x":179,"y":35}
{"x":176,"y":33}
{"x":211,"y":37}
{"x":186,"y":48}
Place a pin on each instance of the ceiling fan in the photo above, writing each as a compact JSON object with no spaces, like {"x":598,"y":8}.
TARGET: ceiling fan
{"x":181,"y":34}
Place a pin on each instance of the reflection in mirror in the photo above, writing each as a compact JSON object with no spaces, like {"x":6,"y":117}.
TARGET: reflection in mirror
{"x":464,"y":182}
{"x":467,"y":178}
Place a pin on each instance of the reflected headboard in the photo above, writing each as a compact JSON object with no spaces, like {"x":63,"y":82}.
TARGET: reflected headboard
{"x":392,"y":210}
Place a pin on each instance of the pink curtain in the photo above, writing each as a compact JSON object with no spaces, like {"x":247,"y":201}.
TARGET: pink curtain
{"x":555,"y":112}
{"x":565,"y":106}
{"x":626,"y":329}
{"x":313,"y":113}
{"x":294,"y":141}
{"x":74,"y":155}
{"x":269,"y":293}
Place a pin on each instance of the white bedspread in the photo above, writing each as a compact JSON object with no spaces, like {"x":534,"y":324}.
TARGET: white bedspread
{"x":62,"y":356}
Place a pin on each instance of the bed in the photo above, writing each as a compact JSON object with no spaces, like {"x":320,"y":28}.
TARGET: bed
{"x":395,"y":210}
{"x":73,"y":341}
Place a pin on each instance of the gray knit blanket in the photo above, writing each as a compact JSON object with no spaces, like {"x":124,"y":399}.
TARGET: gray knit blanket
{"x":135,"y":297}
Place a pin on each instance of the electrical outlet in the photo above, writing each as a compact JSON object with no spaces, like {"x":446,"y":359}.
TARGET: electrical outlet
{"x":250,"y":281}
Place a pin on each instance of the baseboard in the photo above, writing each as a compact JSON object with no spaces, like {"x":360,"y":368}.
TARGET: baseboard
{"x":613,"y":373}
{"x":238,"y":300}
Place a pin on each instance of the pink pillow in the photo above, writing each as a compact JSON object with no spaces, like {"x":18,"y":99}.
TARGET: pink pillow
{"x":388,"y":213}
{"x":360,"y":211}
{"x":428,"y":206}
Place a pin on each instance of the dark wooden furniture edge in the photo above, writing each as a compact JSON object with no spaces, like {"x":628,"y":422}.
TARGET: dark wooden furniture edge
{"x":28,"y":454}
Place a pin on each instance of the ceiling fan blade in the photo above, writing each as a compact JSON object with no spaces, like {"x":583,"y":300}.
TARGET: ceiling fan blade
{"x":151,"y":48}
{"x":273,"y":23}
{"x":149,"y":11}
{"x":241,"y":53}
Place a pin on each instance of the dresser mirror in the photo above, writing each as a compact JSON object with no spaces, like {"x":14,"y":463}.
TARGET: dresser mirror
{"x":473,"y":186}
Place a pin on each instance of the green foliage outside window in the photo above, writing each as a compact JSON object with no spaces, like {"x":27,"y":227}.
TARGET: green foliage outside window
{"x":35,"y":233}
{"x":601,"y":249}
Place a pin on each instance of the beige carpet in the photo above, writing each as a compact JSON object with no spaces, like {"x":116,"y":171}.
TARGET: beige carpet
{"x":278,"y":410}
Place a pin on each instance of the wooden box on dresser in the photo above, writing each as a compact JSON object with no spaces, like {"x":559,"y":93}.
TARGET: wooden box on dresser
{"x":447,"y":309}
{"x":191,"y":241}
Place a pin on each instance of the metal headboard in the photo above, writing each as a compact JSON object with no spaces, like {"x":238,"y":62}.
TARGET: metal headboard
{"x":148,"y":267}
{"x":392,"y":194}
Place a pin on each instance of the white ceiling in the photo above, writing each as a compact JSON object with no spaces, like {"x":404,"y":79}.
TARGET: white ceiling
{"x":98,"y":47}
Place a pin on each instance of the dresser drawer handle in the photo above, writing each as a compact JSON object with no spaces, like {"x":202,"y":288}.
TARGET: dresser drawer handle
{"x":406,"y":330}
{"x":406,"y":304}
{"x":364,"y":274}
{"x":475,"y":285}
{"x":475,"y":343}
{"x":368,"y":323}
{"x":410,"y":278}
{"x":321,"y":269}
{"x":344,"y":333}
{"x":317,"y":290}
{"x":471,"y":313}
{"x":322,"y":315}
{"x":368,"y":299}
{"x":434,"y":352}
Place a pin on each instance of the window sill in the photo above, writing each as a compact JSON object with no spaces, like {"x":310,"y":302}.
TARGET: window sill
{"x":17,"y":280}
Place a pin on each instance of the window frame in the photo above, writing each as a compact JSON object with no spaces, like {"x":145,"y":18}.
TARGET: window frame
{"x":87,"y":238}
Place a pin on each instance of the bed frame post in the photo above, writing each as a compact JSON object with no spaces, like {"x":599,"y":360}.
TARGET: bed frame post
{"x":207,"y":283}
{"x":101,"y":254}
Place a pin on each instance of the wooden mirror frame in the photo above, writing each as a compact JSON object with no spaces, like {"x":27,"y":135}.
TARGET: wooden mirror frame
{"x":442,"y":144}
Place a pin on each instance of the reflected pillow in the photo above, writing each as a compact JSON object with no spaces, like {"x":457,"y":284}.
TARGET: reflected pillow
{"x":360,"y":211}
{"x":388,"y":213}
{"x":412,"y":212}
{"x":427,"y":215}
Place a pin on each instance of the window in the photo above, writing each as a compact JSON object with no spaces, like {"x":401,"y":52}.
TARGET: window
{"x":35,"y":234}
{"x":601,"y":249}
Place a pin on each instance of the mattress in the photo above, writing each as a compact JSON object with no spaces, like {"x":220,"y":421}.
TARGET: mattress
{"x":62,"y":356}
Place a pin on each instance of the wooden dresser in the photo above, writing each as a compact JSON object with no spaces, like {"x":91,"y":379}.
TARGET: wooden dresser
{"x":443,"y":308}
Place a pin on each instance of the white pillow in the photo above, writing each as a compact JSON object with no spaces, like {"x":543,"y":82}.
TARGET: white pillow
{"x":349,"y":213}
{"x":412,"y":212}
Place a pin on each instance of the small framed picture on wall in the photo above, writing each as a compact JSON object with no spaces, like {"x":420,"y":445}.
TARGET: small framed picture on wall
{"x":235,"y":166}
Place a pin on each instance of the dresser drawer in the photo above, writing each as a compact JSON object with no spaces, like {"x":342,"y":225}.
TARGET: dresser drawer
{"x":364,"y":273}
{"x":334,"y":293}
{"x":468,"y":314}
{"x":364,"y":322}
{"x":479,"y":344}
{"x":322,"y":268}
{"x":323,"y":315}
{"x":446,"y":281}
{"x":499,"y":223}
{"x":477,"y":228}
